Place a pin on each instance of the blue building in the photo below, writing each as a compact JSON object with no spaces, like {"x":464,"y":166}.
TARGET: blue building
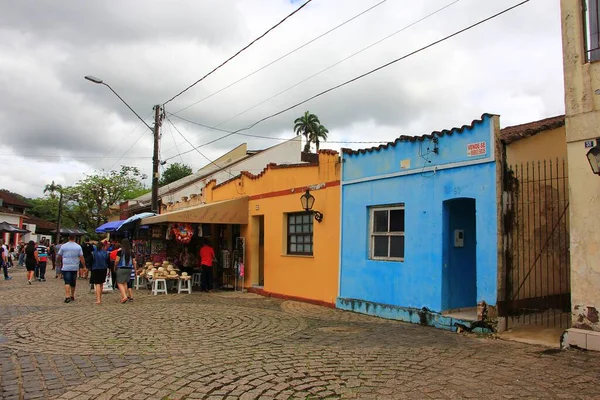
{"x":420,"y":226}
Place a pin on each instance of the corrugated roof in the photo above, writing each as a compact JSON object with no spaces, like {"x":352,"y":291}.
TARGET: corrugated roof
{"x":511,"y":134}
{"x":406,"y":138}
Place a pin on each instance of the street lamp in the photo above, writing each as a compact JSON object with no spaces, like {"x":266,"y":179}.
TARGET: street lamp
{"x":308,"y":201}
{"x":593,"y":156}
{"x":155,"y":131}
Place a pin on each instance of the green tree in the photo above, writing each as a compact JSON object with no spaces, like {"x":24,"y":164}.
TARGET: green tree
{"x":307,"y":125}
{"x":174,"y":172}
{"x":320,"y":134}
{"x":88,"y":200}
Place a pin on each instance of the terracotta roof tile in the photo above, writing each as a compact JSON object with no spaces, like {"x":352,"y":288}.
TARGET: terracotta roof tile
{"x":13,"y":198}
{"x":511,"y":134}
{"x":405,"y":138}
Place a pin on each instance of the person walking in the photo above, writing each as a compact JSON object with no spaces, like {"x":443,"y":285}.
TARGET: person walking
{"x":58,"y":262}
{"x":4,"y":260}
{"x":207,"y":255}
{"x":21,"y":254}
{"x":88,"y":251}
{"x":99,"y":270}
{"x":42,"y":262}
{"x":71,"y":255}
{"x":31,"y":260}
{"x":52,"y":254}
{"x":124,"y":263}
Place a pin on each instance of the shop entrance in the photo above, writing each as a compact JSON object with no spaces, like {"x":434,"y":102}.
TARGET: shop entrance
{"x":459,"y":270}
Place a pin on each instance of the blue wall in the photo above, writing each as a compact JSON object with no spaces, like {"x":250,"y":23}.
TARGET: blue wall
{"x":368,"y":180}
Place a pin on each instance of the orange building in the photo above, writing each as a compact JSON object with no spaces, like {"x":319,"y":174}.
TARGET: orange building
{"x":288,"y":253}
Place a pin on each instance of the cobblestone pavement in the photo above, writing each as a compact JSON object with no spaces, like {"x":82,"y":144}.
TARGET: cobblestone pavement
{"x":241,"y":346}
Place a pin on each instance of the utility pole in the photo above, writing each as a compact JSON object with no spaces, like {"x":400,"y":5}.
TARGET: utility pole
{"x":59,"y":218}
{"x":155,"y":160}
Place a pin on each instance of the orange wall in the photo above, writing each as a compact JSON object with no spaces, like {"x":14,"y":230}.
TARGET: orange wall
{"x":273,"y":194}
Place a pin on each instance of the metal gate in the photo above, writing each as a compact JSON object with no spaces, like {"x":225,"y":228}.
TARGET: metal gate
{"x":536,"y":245}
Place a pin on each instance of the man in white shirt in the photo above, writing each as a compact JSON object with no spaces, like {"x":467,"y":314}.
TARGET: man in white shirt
{"x":71,"y":254}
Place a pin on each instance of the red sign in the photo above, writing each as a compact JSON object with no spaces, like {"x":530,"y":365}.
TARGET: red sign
{"x":476,"y":149}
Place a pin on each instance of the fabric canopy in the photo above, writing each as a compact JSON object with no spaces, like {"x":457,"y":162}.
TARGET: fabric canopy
{"x":124,"y":224}
{"x":6,"y":227}
{"x":233,"y":211}
{"x":108,"y":227}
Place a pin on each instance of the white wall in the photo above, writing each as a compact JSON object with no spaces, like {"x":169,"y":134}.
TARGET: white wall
{"x":288,"y":152}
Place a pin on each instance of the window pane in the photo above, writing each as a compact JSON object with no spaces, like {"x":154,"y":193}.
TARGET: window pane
{"x":292,"y":248}
{"x":290,"y":219}
{"x":293,"y":238}
{"x":380,"y":221}
{"x":310,"y":248}
{"x":380,"y":246}
{"x":306,"y":218}
{"x":306,"y":228}
{"x":300,"y":239}
{"x":310,"y":228}
{"x":396,"y":220}
{"x":292,"y":229}
{"x":397,"y":246}
{"x":307,"y":248}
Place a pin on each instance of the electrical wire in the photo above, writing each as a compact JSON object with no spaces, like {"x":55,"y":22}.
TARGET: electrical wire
{"x":331,"y":66}
{"x":283,"y":56}
{"x":365,"y":74}
{"x":198,"y":151}
{"x":236,"y":54}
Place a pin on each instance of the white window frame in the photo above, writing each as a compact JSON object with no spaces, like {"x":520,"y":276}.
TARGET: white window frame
{"x":389,"y":234}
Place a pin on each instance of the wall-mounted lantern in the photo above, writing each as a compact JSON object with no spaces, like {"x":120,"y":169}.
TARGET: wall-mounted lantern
{"x":308,"y":200}
{"x":593,"y":156}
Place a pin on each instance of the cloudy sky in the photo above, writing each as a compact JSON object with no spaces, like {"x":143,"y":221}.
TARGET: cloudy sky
{"x":57,"y":126}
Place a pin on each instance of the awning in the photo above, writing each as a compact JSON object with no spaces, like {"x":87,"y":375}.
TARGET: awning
{"x":6,"y":227}
{"x":108,"y":227}
{"x":233,"y":211}
{"x":126,"y":223}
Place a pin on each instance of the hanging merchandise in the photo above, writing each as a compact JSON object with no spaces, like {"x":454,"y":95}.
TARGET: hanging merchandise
{"x":183,"y":232}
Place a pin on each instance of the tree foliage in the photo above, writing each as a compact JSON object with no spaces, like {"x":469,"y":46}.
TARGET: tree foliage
{"x":175,"y":172}
{"x":88,"y":200}
{"x":309,"y":126}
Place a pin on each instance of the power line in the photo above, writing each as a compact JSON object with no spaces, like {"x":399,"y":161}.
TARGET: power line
{"x":284,"y":56}
{"x":68,"y":157}
{"x":365,"y":74}
{"x":199,"y":152}
{"x":331,"y":66}
{"x":236,"y":54}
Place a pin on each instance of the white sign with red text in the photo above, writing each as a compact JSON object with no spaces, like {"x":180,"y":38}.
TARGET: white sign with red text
{"x":476,"y":149}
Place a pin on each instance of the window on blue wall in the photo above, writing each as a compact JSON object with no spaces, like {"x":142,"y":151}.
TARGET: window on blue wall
{"x":387,"y":233}
{"x":300,"y":233}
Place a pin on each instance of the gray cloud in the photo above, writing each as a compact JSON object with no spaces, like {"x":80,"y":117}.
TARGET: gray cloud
{"x":149,"y":50}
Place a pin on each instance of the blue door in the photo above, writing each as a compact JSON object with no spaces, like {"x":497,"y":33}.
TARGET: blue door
{"x":459,"y":269}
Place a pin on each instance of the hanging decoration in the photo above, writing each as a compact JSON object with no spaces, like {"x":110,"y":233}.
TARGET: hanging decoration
{"x":183,"y":232}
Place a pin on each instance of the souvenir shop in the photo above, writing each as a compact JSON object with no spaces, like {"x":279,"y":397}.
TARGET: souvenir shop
{"x":178,"y":244}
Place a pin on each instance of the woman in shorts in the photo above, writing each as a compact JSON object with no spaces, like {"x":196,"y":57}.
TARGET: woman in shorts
{"x":99,"y":269}
{"x":124,"y":262}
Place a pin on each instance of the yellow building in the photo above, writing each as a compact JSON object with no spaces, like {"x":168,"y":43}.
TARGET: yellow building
{"x":581,"y":51}
{"x":288,"y":252}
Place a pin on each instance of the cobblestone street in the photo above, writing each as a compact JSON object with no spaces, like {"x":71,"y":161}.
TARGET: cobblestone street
{"x":233,"y":346}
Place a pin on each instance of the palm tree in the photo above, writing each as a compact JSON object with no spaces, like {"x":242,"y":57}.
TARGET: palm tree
{"x":320,"y":134}
{"x":307,"y":125}
{"x":52,"y":189}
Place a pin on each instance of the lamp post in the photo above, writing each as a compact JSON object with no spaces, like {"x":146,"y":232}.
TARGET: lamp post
{"x":307,"y":201}
{"x":593,"y":156}
{"x":155,"y":131}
